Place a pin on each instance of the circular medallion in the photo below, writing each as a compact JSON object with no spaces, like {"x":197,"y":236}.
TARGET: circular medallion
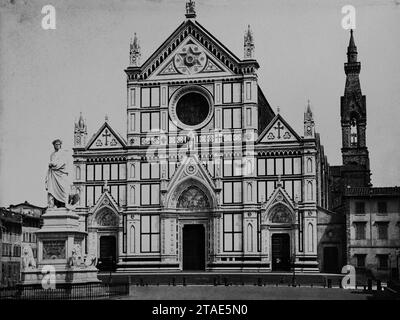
{"x":190,"y":60}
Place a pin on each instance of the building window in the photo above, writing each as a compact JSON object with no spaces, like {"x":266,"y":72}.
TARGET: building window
{"x":382,"y":230}
{"x":260,"y":167}
{"x":288,"y":166}
{"x":90,"y":172}
{"x":265,"y":190}
{"x":98,"y":172}
{"x":360,"y":230}
{"x":232,"y":167}
{"x":106,"y":172}
{"x":233,"y":232}
{"x":232,"y":118}
{"x":360,"y":208}
{"x":279,"y":166}
{"x":149,"y":194}
{"x":296,"y":165}
{"x":360,"y":260}
{"x":232,"y":192}
{"x":150,"y":121}
{"x":150,"y":170}
{"x":232,"y":92}
{"x":382,"y":207}
{"x":270,"y":166}
{"x":353,"y":132}
{"x":383,"y":261}
{"x":149,"y":233}
{"x":151,"y":97}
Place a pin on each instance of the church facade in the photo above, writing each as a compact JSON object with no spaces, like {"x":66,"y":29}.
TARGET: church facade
{"x":207,"y":176}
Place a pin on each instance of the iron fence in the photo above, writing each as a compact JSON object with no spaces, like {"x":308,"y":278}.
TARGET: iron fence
{"x":88,"y":291}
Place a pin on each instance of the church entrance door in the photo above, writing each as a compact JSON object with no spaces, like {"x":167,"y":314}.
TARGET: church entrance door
{"x":331,"y":260}
{"x":280,"y":252}
{"x":194,"y":247}
{"x":108,"y":253}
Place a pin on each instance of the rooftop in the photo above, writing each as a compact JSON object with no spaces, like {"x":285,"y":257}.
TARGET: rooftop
{"x":372,"y":191}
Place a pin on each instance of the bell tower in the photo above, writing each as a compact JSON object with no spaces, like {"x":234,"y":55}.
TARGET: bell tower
{"x":353,"y":116}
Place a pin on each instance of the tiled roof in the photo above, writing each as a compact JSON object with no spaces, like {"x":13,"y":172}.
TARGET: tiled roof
{"x":10,"y":216}
{"x":370,"y":191}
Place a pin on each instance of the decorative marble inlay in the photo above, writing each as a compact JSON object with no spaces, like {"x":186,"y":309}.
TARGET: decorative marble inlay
{"x":190,"y":60}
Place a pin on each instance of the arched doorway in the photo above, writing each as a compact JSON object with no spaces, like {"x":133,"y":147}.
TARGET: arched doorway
{"x":280,"y":252}
{"x":281,"y":226}
{"x":107,"y":222}
{"x":193,"y":235}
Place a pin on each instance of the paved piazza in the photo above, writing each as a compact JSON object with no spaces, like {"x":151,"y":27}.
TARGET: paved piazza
{"x":248,"y":293}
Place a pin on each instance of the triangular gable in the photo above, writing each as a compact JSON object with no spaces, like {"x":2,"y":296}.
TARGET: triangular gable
{"x":106,"y":138}
{"x":105,"y":200}
{"x":190,"y":58}
{"x":191,"y":166}
{"x":279,"y":195}
{"x":155,"y":64}
{"x":272,"y":209}
{"x":278,"y":131}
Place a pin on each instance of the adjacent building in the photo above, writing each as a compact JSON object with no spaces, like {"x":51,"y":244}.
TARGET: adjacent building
{"x":373,"y":230}
{"x":365,"y":222}
{"x":31,"y":222}
{"x":10,"y":247}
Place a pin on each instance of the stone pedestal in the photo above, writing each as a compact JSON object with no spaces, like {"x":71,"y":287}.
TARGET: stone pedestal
{"x":60,"y":246}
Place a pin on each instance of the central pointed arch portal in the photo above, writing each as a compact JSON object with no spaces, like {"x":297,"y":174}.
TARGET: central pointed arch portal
{"x":194,"y":202}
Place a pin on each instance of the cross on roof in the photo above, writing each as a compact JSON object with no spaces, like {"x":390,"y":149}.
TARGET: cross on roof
{"x":106,"y":134}
{"x":279,"y":128}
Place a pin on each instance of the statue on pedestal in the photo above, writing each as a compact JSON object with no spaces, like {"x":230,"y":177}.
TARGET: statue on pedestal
{"x":57,"y":182}
{"x":28,"y":261}
{"x":76,"y":260}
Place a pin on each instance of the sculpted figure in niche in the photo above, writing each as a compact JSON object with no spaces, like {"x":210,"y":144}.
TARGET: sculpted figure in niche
{"x":281,"y":215}
{"x":193,"y":198}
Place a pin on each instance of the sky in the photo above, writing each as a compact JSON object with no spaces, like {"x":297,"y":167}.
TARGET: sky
{"x":47,"y":77}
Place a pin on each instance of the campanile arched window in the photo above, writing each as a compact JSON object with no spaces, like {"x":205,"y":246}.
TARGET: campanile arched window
{"x":353,"y":131}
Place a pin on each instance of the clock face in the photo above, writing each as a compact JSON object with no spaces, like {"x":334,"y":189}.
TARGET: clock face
{"x":308,"y":129}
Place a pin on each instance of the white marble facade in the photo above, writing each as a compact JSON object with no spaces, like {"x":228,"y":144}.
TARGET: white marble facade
{"x":202,"y":148}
